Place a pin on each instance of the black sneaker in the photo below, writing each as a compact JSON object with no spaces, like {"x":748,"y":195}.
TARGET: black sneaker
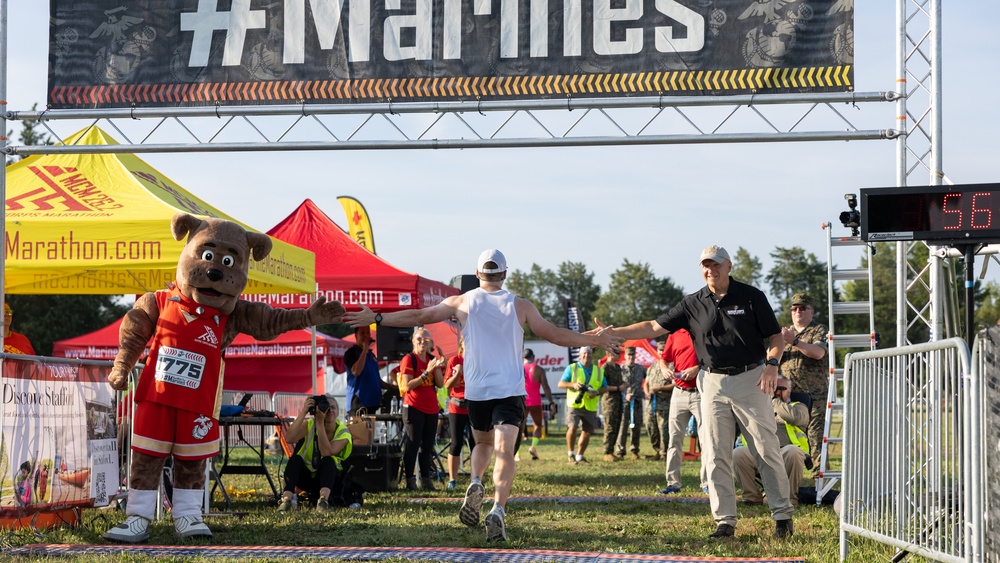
{"x":411,"y":484}
{"x":427,"y":484}
{"x":784,"y":528}
{"x":723,"y":531}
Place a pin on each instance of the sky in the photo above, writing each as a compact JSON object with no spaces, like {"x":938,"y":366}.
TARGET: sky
{"x":434,"y":211}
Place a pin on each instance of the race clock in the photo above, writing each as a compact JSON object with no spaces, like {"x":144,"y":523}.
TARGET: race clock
{"x":940,"y":215}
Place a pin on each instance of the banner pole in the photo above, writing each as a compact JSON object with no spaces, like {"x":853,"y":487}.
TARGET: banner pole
{"x":312,"y":331}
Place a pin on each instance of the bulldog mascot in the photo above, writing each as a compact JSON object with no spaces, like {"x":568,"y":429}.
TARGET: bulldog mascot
{"x":178,"y":396}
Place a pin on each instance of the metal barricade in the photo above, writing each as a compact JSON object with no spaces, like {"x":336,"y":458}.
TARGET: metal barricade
{"x":910,"y":451}
{"x":286,"y":404}
{"x":259,"y":401}
{"x":985,"y":406}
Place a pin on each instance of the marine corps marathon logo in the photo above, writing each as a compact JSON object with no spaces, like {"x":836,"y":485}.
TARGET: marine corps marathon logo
{"x":209,"y":338}
{"x":60,"y":190}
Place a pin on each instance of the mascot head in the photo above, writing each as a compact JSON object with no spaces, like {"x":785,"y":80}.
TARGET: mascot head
{"x":213,"y":267}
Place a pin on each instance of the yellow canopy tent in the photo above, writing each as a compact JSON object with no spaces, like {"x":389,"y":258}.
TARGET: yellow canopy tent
{"x":100,"y":224}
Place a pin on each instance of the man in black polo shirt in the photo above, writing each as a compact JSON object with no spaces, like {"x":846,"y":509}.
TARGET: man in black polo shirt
{"x":730,"y":322}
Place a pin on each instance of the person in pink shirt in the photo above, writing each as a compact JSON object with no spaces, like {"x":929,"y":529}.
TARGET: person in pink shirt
{"x":535,"y":382}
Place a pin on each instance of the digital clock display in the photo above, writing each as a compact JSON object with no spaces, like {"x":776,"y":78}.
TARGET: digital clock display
{"x":941,"y":215}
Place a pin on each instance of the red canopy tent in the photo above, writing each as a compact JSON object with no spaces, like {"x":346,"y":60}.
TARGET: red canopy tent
{"x":347,"y":272}
{"x":281,"y":364}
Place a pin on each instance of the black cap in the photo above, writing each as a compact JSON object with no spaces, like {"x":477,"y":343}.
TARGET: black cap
{"x":528,"y":353}
{"x":630,"y":350}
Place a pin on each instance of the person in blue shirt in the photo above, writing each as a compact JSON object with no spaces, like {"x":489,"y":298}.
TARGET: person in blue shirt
{"x":364,"y":385}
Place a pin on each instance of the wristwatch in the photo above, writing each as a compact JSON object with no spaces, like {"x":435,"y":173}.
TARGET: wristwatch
{"x":772,"y":362}
{"x":796,"y":341}
{"x":378,"y":318}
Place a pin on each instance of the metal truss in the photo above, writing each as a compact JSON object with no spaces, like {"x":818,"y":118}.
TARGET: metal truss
{"x":920,"y":290}
{"x":460,"y":125}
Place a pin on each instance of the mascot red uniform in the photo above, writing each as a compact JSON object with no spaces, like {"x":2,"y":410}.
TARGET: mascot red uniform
{"x":179,"y":392}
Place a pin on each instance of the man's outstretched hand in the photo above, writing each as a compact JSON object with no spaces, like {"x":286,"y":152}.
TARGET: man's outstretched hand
{"x":364,"y":317}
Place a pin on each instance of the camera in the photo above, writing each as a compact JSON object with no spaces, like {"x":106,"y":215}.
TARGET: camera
{"x":852,"y":218}
{"x":319,"y":402}
{"x":583,"y":393}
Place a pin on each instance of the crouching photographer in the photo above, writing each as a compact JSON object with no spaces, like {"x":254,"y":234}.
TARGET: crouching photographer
{"x":790,"y":417}
{"x":322,"y":443}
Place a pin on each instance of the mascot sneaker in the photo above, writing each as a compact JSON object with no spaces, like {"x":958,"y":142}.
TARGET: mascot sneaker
{"x":135,"y":529}
{"x":190,"y":527}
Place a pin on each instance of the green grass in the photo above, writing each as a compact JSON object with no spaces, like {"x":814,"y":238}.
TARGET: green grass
{"x":392,"y":519}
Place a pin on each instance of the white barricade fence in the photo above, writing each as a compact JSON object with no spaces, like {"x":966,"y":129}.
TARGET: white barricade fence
{"x":985,"y":387}
{"x":911,"y":453}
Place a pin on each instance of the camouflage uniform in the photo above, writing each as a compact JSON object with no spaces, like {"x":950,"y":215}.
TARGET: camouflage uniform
{"x":812,"y":377}
{"x":658,"y":411}
{"x":630,"y":436}
{"x":611,"y":406}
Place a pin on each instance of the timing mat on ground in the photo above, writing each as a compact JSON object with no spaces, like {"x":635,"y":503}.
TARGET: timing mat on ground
{"x":448,"y":554}
{"x":574,"y":500}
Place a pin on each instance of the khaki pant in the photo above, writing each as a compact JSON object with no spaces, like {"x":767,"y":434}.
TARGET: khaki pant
{"x":726,"y":399}
{"x":683,"y":406}
{"x":745,"y":467}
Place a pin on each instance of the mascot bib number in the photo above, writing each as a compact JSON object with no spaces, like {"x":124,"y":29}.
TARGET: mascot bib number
{"x":179,"y":367}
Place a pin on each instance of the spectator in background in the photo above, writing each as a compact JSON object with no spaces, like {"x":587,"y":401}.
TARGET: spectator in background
{"x":458,"y":413}
{"x":630,"y":431}
{"x":318,"y":456}
{"x":420,"y":375}
{"x":364,"y":385}
{"x":583,"y":381}
{"x":805,"y":364}
{"x":611,"y":403}
{"x":657,"y":388}
{"x":535,"y":382}
{"x":685,"y":403}
{"x":791,"y":418}
{"x":14,"y":342}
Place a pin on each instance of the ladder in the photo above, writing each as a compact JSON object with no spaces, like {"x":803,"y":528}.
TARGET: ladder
{"x":826,"y":477}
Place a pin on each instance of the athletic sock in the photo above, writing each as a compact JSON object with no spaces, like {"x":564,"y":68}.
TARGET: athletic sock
{"x":476,"y":480}
{"x":534,"y":441}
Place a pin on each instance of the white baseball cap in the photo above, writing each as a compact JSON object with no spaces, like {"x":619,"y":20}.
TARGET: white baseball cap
{"x":714,"y":253}
{"x":491,"y":255}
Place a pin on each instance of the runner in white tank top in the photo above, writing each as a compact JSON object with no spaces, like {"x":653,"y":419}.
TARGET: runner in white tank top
{"x":493,"y":322}
{"x":493,"y":343}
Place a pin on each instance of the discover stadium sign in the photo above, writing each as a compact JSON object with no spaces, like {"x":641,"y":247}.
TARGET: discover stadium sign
{"x":195,"y":52}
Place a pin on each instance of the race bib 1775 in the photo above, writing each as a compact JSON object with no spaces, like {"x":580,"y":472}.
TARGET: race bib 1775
{"x":179,"y":367}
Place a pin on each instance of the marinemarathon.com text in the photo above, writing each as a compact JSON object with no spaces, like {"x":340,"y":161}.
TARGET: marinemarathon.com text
{"x":69,"y":246}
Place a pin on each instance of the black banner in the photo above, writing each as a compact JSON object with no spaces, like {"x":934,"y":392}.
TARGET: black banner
{"x":573,"y":322}
{"x":105,"y":53}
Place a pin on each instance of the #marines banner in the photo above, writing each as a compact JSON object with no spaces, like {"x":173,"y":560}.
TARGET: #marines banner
{"x":105,"y":53}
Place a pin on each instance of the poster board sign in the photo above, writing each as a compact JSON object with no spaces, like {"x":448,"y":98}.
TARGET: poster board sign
{"x":105,"y":53}
{"x":552,"y":359}
{"x":59,"y":437}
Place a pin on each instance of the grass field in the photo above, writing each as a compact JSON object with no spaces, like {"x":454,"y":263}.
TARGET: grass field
{"x":675,"y":527}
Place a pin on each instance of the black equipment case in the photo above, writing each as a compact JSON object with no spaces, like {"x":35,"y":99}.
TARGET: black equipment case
{"x":376,"y":466}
